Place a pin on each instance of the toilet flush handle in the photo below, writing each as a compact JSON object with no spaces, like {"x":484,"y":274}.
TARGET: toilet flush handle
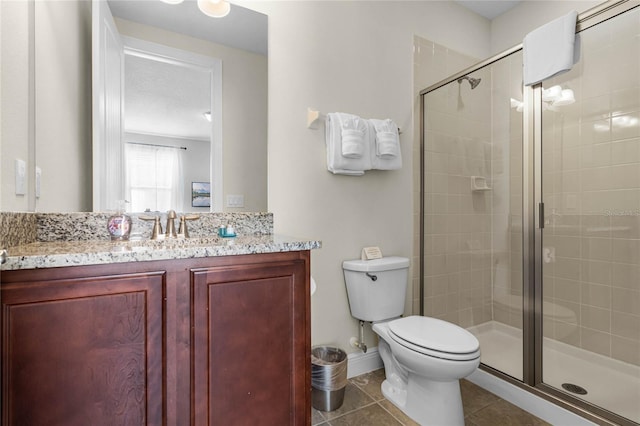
{"x":373,"y":277}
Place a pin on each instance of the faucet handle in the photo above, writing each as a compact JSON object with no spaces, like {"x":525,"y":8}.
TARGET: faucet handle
{"x":157,"y":227}
{"x":182,"y":230}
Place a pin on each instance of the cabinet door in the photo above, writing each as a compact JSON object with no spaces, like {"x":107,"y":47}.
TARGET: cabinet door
{"x":251,"y":343}
{"x":83,"y":351}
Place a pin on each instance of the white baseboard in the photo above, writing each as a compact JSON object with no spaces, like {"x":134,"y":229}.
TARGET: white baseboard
{"x":535,"y":405}
{"x":359,"y":363}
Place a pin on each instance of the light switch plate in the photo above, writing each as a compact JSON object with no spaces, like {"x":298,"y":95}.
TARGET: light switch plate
{"x":236,"y":200}
{"x":21,"y":177}
{"x":38,"y":181}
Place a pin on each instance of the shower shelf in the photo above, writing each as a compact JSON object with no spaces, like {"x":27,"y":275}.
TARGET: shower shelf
{"x":479,"y":183}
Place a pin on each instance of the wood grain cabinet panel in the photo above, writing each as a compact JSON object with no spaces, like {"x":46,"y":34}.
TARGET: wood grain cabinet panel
{"x":251,"y":345}
{"x":84,"y":351}
{"x":209,"y":341}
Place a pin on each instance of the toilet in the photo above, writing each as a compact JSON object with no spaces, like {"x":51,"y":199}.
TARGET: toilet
{"x":424,"y":358}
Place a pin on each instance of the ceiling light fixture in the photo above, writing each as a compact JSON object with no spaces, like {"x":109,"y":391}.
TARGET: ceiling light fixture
{"x":212,"y":8}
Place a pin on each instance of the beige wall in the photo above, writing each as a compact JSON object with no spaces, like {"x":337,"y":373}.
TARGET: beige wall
{"x":352,"y":57}
{"x":61,"y":121}
{"x":63,"y":104}
{"x":14,"y":86}
{"x":244,"y":111}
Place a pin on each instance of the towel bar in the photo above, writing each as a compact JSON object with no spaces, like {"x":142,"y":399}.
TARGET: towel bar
{"x":314,"y":117}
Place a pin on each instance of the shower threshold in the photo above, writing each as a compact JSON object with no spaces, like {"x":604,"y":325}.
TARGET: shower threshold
{"x":611,"y":384}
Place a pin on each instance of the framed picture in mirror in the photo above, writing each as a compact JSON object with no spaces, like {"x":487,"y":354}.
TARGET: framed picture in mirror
{"x":200,"y":194}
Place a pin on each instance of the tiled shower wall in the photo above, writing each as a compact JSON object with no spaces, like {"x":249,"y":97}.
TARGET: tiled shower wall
{"x":591,"y":189}
{"x":458,"y":255}
{"x":432,"y":63}
{"x":470,"y":232}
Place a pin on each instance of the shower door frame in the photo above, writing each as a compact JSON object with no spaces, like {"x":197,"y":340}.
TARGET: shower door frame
{"x":532,"y":218}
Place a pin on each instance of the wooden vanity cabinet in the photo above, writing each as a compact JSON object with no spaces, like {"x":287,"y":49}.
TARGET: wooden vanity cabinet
{"x":209,"y":341}
{"x":81,"y":350}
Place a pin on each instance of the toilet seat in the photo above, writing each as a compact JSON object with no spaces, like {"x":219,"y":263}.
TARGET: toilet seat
{"x":434,"y":337}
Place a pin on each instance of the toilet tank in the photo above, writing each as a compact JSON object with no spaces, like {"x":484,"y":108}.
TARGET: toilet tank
{"x":376,"y":288}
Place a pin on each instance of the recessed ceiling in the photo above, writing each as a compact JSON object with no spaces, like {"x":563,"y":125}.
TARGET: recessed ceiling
{"x":242,"y":28}
{"x":166,"y":99}
{"x":169,"y":100}
{"x":490,"y":9}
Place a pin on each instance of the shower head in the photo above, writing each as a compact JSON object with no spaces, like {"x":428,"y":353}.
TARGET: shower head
{"x":472,"y":81}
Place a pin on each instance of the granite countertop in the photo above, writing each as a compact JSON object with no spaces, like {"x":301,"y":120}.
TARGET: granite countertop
{"x":77,"y":253}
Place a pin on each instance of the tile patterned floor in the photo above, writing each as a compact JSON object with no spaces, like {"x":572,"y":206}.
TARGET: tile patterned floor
{"x":364,"y":405}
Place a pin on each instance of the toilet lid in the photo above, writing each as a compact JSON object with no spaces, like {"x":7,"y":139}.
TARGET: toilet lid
{"x":434,"y":335}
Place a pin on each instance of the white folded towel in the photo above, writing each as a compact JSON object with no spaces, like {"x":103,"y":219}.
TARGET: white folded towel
{"x":549,"y":49}
{"x":386,"y":155}
{"x":337,"y":163}
{"x":353,"y":130}
{"x":387,"y":140}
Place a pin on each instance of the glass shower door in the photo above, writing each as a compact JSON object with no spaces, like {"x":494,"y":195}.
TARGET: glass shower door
{"x":590,"y":250}
{"x":473,"y":209}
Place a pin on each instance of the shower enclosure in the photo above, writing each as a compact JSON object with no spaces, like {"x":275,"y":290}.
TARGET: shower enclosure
{"x":530,"y":217}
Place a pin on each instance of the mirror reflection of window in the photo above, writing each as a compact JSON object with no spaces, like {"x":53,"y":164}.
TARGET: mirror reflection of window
{"x":166,"y":94}
{"x":153,"y":181}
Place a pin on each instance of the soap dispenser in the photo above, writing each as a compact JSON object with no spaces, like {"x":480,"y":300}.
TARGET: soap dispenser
{"x":119,"y":224}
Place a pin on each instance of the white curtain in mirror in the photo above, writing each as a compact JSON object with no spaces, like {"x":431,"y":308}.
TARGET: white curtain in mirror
{"x":153,"y":181}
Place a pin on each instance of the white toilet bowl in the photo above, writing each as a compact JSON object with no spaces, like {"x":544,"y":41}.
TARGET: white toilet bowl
{"x":424,"y":358}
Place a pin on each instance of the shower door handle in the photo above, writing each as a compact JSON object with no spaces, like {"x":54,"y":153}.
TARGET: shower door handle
{"x":541,"y":215}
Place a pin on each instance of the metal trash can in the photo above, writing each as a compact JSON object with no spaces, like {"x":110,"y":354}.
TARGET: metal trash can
{"x":328,"y":377}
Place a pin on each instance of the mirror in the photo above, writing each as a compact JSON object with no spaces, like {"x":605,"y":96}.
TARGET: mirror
{"x":58,"y":38}
{"x":172,"y":110}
